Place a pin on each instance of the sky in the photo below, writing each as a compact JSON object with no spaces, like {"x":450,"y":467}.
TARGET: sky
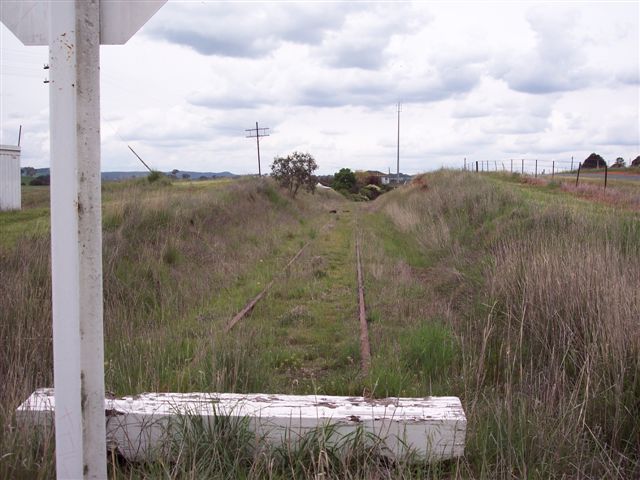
{"x":482,"y":81}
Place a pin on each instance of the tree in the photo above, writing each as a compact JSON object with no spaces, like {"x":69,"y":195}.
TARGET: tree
{"x":28,"y":171}
{"x":619,"y":163}
{"x":41,"y":180}
{"x":345,"y":179}
{"x":295,"y":171}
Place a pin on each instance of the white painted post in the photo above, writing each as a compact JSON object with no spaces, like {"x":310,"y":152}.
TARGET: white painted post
{"x":76,"y":239}
{"x":74,"y":30}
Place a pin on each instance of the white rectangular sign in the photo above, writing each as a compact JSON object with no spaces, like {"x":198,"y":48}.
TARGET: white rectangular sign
{"x":119,"y":20}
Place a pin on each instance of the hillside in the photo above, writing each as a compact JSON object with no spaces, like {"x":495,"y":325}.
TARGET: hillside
{"x":123,"y":175}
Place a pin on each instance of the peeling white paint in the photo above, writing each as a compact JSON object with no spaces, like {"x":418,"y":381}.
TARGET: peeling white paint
{"x":433,"y":428}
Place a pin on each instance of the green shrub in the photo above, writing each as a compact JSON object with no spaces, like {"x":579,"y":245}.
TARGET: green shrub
{"x":154,"y":176}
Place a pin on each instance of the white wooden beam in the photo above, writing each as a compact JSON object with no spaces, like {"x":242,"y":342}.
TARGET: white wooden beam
{"x":140,"y":427}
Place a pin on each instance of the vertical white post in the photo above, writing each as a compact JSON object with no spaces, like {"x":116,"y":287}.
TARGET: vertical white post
{"x":76,"y":239}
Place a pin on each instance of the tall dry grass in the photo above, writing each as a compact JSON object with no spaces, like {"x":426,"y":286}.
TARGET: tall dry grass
{"x":546,"y":310}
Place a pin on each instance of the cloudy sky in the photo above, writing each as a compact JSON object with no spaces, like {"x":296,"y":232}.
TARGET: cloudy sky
{"x":485,"y":81}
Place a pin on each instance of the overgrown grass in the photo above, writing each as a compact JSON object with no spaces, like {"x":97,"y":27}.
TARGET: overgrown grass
{"x":168,"y":253}
{"x":540,"y":293}
{"x":521,"y":300}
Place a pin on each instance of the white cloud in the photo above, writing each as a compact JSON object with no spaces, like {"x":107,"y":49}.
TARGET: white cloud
{"x":481,"y":80}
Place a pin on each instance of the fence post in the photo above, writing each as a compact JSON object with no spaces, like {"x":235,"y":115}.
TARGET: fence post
{"x":578,"y":176}
{"x":536,"y":175}
{"x":477,"y":166}
{"x":572,"y":163}
{"x":553,"y":169}
{"x":511,"y":166}
{"x":523,"y":166}
{"x":606,"y":172}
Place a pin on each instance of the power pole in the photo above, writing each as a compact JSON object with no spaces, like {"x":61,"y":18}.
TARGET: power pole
{"x":398,"y":147}
{"x":259,"y":132}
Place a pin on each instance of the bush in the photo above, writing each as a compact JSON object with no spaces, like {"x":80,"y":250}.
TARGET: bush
{"x":41,"y":180}
{"x":154,"y":176}
{"x":295,"y":171}
{"x":344,"y":180}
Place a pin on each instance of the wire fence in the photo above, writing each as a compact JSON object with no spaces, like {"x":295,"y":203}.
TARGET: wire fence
{"x":535,"y":167}
{"x":524,"y":166}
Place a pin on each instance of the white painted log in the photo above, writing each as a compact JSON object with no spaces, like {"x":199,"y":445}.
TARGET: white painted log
{"x":140,"y":427}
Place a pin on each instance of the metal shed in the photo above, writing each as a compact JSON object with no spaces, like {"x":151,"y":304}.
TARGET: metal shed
{"x":10,"y":190}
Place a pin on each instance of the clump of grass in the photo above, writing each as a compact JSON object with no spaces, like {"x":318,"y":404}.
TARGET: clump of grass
{"x":429,"y":349}
{"x":170,"y":255}
{"x":295,"y":316}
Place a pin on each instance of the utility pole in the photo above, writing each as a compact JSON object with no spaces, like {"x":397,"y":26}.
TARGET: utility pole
{"x":398,"y":147}
{"x":259,"y":132}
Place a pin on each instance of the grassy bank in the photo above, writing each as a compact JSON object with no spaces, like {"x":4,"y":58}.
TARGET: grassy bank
{"x":525,"y":305}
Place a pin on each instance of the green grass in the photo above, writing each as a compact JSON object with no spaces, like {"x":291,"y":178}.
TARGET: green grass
{"x":16,"y":224}
{"x":396,"y":243}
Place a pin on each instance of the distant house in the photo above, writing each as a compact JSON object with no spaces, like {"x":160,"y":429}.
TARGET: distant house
{"x":369,"y":177}
{"x":395,"y":179}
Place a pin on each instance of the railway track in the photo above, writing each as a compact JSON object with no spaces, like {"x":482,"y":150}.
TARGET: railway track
{"x":365,"y":349}
{"x":246,"y":310}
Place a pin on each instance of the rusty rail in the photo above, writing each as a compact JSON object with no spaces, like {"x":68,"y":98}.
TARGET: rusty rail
{"x":365,"y":349}
{"x":249,"y":306}
{"x":252,"y":303}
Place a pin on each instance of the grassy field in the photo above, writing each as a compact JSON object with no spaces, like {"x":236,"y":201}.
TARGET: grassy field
{"x":519,"y":297}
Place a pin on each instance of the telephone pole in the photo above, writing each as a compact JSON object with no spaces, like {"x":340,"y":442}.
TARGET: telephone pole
{"x":398,"y":147}
{"x":257,"y":133}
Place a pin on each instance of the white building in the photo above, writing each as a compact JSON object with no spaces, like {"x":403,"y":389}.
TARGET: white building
{"x":10,"y":190}
{"x":394,"y":179}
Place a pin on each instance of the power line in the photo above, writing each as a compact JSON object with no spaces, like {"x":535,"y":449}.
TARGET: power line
{"x":257,"y":133}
